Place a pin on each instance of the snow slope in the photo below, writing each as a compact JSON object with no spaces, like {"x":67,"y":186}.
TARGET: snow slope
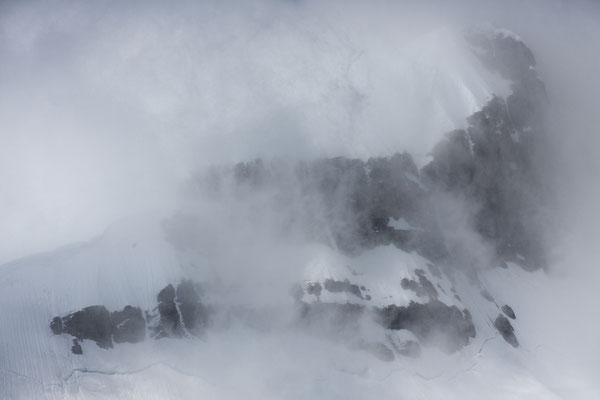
{"x":277,"y":359}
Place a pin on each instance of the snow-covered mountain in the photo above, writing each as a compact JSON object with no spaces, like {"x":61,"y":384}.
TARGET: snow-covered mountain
{"x":336,"y":277}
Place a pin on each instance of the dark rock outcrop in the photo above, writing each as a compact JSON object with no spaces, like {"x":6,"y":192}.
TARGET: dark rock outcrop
{"x":331,"y":285}
{"x":506,"y":330}
{"x":506,"y":309}
{"x":314,"y":288}
{"x":433,"y":323}
{"x":96,"y":323}
{"x":169,"y":322}
{"x":349,"y":201}
{"x":92,"y":323}
{"x":493,"y":162}
{"x":409,"y":284}
{"x":486,"y":295}
{"x":128,"y":325}
{"x":422,"y":288}
{"x":56,"y":325}
{"x":76,"y":347}
{"x":194,"y":314}
{"x":177,"y":312}
{"x":427,"y":285}
{"x":489,"y":166}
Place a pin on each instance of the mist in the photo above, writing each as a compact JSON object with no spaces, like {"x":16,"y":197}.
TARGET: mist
{"x":115,"y":110}
{"x":106,"y":108}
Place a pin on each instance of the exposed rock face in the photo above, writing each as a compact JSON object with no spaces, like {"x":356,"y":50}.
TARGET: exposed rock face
{"x":194,"y":314}
{"x":169,"y":322}
{"x":56,"y":325}
{"x":490,"y":165}
{"x":128,"y":325}
{"x":409,"y":284}
{"x":181,"y":312}
{"x":344,"y":286}
{"x":76,"y":347}
{"x":422,"y":288}
{"x":433,"y":323}
{"x":91,"y":323}
{"x":506,"y":330}
{"x":96,"y":323}
{"x":359,"y":198}
{"x":506,"y":309}
{"x":351,"y":201}
{"x":492,"y":161}
{"x":427,"y":285}
{"x":178,"y":312}
{"x":486,"y":295}
{"x":314,"y":288}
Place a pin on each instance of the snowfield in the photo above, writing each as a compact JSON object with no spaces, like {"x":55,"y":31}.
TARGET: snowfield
{"x":278,"y":359}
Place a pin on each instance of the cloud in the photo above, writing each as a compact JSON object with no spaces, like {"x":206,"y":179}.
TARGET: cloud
{"x":107,"y":108}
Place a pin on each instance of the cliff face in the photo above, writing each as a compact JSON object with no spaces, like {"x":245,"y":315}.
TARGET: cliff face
{"x":489,"y":167}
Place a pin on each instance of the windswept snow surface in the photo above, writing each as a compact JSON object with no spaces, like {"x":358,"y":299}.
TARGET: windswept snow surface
{"x":130,"y":263}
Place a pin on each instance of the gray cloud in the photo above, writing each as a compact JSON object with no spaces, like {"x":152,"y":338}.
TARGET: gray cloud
{"x":107,"y":109}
